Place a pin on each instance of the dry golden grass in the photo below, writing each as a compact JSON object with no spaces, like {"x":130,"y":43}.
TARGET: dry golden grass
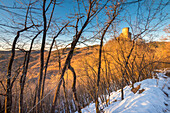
{"x":134,"y":90}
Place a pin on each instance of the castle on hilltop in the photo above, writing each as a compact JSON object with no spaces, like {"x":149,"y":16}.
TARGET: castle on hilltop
{"x":125,"y":35}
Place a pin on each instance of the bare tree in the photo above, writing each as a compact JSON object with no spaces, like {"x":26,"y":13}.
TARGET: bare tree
{"x":45,"y":29}
{"x":114,"y":14}
{"x":24,"y":73}
{"x":8,"y":97}
{"x":91,"y":13}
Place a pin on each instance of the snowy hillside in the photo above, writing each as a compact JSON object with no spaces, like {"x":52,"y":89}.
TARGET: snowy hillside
{"x":153,"y":99}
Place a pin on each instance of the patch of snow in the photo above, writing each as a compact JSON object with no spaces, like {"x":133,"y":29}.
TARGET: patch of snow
{"x":154,"y":98}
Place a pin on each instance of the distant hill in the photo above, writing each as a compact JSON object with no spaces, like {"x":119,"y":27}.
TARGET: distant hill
{"x":53,"y":67}
{"x":144,"y":59}
{"x":35,"y":60}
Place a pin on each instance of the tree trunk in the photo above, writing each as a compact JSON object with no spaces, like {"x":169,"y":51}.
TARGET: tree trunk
{"x":24,"y":73}
{"x":99,"y":67}
{"x":48,"y":58}
{"x":38,"y":109}
{"x":74,"y":89}
{"x":22,"y":82}
{"x":65,"y":96}
{"x":122,"y":85}
{"x":8,"y":97}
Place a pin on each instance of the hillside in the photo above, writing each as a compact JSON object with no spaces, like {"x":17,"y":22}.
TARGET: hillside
{"x":144,"y":59}
{"x":86,"y":59}
{"x":53,"y":66}
{"x":78,"y":55}
{"x":151,"y":97}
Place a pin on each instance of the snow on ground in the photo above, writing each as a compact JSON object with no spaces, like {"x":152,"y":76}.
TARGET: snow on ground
{"x":154,"y":98}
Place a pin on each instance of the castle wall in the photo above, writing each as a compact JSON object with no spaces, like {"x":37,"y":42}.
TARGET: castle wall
{"x":125,"y":32}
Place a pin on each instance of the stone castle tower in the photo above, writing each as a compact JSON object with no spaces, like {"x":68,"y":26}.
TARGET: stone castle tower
{"x":125,"y":34}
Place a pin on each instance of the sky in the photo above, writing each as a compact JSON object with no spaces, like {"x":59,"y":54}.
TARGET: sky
{"x":67,"y":8}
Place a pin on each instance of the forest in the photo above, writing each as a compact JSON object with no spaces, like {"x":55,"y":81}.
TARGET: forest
{"x":60,"y":56}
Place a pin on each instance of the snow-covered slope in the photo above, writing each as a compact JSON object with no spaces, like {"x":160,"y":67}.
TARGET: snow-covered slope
{"x":154,"y":98}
